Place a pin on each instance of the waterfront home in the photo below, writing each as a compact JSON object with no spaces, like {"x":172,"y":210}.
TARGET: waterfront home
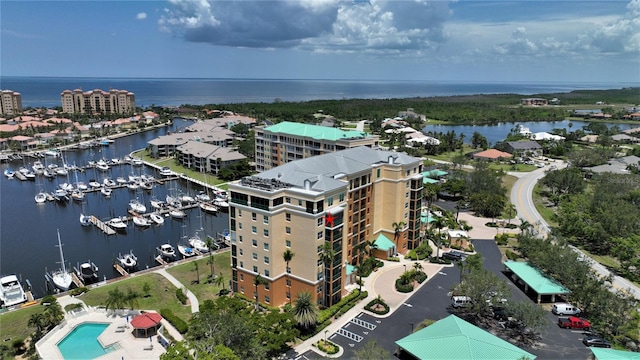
{"x":528,"y":148}
{"x":205,"y":157}
{"x":166,"y":145}
{"x":625,"y":139}
{"x":491,"y":155}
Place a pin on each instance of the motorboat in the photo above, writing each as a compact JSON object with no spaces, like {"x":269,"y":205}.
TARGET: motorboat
{"x":134,"y":178}
{"x":208,"y":208}
{"x":141,"y":221}
{"x":116,"y":161}
{"x":197,"y":243}
{"x":108,"y":182}
{"x":66,"y":187}
{"x":186,"y":251}
{"x":128,"y":261}
{"x":118,"y":223}
{"x":137,"y":206}
{"x":106,"y":191}
{"x":167,"y":251}
{"x":52,"y":152}
{"x":61,"y":171}
{"x":94,"y":184}
{"x":146,"y":185}
{"x":177,"y":214}
{"x":133,"y":186}
{"x":186,"y":199}
{"x":61,"y":195}
{"x":165,"y":171}
{"x":77,"y":195}
{"x":85,"y":220}
{"x":136,"y":161}
{"x":9,"y":173}
{"x":102,"y":165}
{"x":226,"y":235}
{"x":37,"y":166}
{"x":49,"y":174}
{"x":147,"y":178}
{"x":203,"y":196}
{"x":173,"y":201}
{"x":81,"y":185}
{"x":156,"y":218}
{"x":60,"y":278}
{"x":156,"y":203}
{"x":41,"y":197}
{"x":11,"y":292}
{"x":121,"y":180}
{"x":87,"y":271}
{"x":221,"y":204}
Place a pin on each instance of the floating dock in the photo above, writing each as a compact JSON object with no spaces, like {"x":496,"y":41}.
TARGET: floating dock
{"x":120,"y":270}
{"x":102,"y":226}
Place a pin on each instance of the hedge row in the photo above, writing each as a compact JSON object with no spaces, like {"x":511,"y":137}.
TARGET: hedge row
{"x":403,"y":288}
{"x":178,"y":323}
{"x":331,"y":311}
{"x":374,"y":302}
{"x":181,"y":296}
{"x":253,"y":301}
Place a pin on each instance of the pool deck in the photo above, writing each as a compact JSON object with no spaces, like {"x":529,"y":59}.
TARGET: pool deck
{"x":118,"y":332}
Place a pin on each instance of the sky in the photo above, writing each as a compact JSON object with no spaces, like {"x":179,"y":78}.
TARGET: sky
{"x":458,"y":41}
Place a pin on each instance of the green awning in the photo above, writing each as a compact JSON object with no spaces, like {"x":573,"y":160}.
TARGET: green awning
{"x":435,"y":173}
{"x":535,"y":279}
{"x":350,"y":269}
{"x":426,"y":180}
{"x":383,"y":243}
{"x":453,"y":338}
{"x":611,"y":354}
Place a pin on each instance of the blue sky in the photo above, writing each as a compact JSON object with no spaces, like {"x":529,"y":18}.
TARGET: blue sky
{"x":476,"y":41}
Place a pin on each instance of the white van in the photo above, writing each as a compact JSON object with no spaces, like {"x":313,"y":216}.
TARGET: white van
{"x":564,"y":309}
{"x":461,"y":301}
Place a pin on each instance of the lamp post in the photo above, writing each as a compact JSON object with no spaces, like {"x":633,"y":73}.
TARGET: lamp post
{"x":411,"y":327}
{"x":405,"y":267}
{"x":325,"y":336}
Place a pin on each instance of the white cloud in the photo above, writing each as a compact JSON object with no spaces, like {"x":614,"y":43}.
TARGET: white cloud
{"x":141,"y":16}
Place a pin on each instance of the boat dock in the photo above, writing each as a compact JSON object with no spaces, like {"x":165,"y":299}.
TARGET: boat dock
{"x":20,"y":176}
{"x":120,"y":270}
{"x":161,"y":261}
{"x":102,"y":226}
{"x":76,"y":280}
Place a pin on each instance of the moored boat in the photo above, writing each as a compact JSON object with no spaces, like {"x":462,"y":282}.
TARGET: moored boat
{"x":9,"y":173}
{"x":118,"y":223}
{"x":166,"y":251}
{"x":141,"y":221}
{"x":186,"y":251}
{"x":156,"y":218}
{"x":177,"y":214}
{"x":11,"y":292}
{"x":87,"y":271}
{"x":208,"y":208}
{"x":60,"y":278}
{"x":127,"y":261}
{"x":137,"y":206}
{"x":85,"y":220}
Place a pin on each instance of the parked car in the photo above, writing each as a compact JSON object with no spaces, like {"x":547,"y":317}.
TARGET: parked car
{"x":596,"y":341}
{"x":565,"y":309}
{"x":573,"y":322}
{"x":461,"y":301}
{"x":454,"y":256}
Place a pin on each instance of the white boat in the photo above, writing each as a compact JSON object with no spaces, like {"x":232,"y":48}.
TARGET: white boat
{"x":85,"y":220}
{"x":41,"y":197}
{"x":9,"y":173}
{"x":106,"y":191}
{"x":203,"y":196}
{"x":141,"y":221}
{"x":177,"y":214}
{"x":102,"y":165}
{"x":208,"y":208}
{"x":133,"y":186}
{"x":87,"y":271}
{"x":156,"y":203}
{"x":29,"y":175}
{"x":11,"y":292}
{"x":226,"y":235}
{"x":116,"y":161}
{"x":220,"y":203}
{"x":49,"y":174}
{"x":52,"y":152}
{"x":165,"y":171}
{"x":186,"y":251}
{"x":81,"y":186}
{"x":121,"y":180}
{"x":77,"y":195}
{"x":136,"y":161}
{"x":173,"y":201}
{"x":62,"y":171}
{"x":108,"y":182}
{"x":94,"y":184}
{"x":61,"y":278}
{"x":197,"y":243}
{"x":146,"y":185}
{"x":61,"y":195}
{"x":117,"y":223}
{"x":186,"y":199}
{"x":128,"y":261}
{"x":167,"y":251}
{"x":156,"y":218}
{"x":66,"y":187}
{"x":37,"y":166}
{"x":137,"y":206}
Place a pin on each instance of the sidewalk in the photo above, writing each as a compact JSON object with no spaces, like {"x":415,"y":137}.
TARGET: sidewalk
{"x":380,"y":283}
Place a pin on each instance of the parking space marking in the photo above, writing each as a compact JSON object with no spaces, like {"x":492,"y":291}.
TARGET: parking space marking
{"x":362,"y":323}
{"x":349,"y":335}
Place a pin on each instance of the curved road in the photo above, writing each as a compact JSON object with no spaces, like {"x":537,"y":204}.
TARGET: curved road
{"x":522,"y":198}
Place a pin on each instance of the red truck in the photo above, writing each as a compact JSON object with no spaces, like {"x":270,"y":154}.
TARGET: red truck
{"x":573,"y":322}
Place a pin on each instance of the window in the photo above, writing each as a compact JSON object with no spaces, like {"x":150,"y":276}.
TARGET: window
{"x":254,"y":229}
{"x":287,"y":200}
{"x":266,"y":299}
{"x":288,"y":270}
{"x":288,"y":295}
{"x":320,"y":221}
{"x":319,"y":275}
{"x":241,"y":253}
{"x":240,"y":238}
{"x":266,"y":273}
{"x":378,"y":173}
{"x":242,"y":277}
{"x":341,"y":197}
{"x":319,"y":249}
{"x":319,"y":289}
{"x":406,"y":205}
{"x":255,"y":256}
{"x":288,"y":282}
{"x":287,"y":230}
{"x":287,"y":216}
{"x":242,"y":289}
{"x":266,"y":286}
{"x":265,"y":219}
{"x":239,"y":212}
{"x":254,"y":242}
{"x":265,"y":232}
{"x":242,"y":264}
{"x":319,"y":234}
{"x":266,"y":259}
{"x":288,"y":243}
{"x":299,"y":202}
{"x":240,"y":226}
{"x":255,"y":269}
{"x":254,"y":216}
{"x":406,"y":194}
{"x":330,"y":201}
{"x":266,"y":246}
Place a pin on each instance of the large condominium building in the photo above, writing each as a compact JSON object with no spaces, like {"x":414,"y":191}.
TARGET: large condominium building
{"x":288,"y":141}
{"x":11,"y":103}
{"x":317,"y":207}
{"x":98,"y":101}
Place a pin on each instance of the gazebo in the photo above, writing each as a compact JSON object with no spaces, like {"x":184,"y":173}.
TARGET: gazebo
{"x":146,"y":324}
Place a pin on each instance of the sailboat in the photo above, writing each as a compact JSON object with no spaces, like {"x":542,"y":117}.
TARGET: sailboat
{"x":196,"y":241}
{"x":60,"y":278}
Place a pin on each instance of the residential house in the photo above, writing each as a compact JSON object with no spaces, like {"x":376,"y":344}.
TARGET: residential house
{"x":491,"y":155}
{"x":625,"y":139}
{"x":205,"y":157}
{"x":523,"y":148}
{"x":533,"y":102}
{"x":166,"y":145}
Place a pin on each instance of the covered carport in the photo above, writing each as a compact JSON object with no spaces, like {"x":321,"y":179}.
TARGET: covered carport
{"x":533,"y":279}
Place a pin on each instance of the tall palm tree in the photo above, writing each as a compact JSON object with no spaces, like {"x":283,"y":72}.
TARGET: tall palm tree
{"x":219,"y":281}
{"x":196,"y":267}
{"x":131,"y":299}
{"x":327,"y":254}
{"x":39,"y":321}
{"x":359,"y":250}
{"x":209,"y":242}
{"x":512,"y":209}
{"x":525,"y":226}
{"x":305,"y":310}
{"x":287,"y":256}
{"x":397,"y":226}
{"x":258,"y":280}
{"x":439,"y":223}
{"x":115,"y":300}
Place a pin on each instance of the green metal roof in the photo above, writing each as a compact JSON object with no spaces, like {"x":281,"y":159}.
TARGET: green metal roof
{"x":454,"y":338}
{"x":426,"y":180}
{"x":434,"y":173}
{"x":383,"y":243}
{"x":427,"y":218}
{"x":315,"y":131}
{"x":535,"y":279}
{"x":611,"y":354}
{"x":350,"y":269}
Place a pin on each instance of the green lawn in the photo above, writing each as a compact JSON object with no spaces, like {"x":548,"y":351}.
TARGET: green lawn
{"x":512,"y":167}
{"x":539,"y":201}
{"x":186,"y":274}
{"x":605,"y":260}
{"x":171,"y":164}
{"x":162,"y":294}
{"x":13,"y":324}
{"x":448,"y":156}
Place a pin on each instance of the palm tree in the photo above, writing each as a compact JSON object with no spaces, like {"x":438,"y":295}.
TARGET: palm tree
{"x":39,"y":321}
{"x":439,"y":223}
{"x":115,"y":300}
{"x":197,"y":269}
{"x":53,"y":314}
{"x":525,"y":226}
{"x":219,"y":281}
{"x":258,"y":280}
{"x":305,"y":311}
{"x":131,"y":299}
{"x":360,"y":249}
{"x":511,"y":208}
{"x":210,"y":246}
{"x":417,"y":267}
{"x":327,"y":254}
{"x":287,"y":256}
{"x":397,"y":226}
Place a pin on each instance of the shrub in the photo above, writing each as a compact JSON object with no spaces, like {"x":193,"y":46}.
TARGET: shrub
{"x":327,"y":347}
{"x":511,"y":255}
{"x":377,"y":301}
{"x":439,"y":261}
{"x":491,"y":224}
{"x":74,"y":306}
{"x":394,"y":259}
{"x":502,"y":239}
{"x":471,"y":248}
{"x":78,"y":291}
{"x":511,"y":226}
{"x":48,"y":299}
{"x":178,"y":323}
{"x":181,"y":296}
{"x":420,"y":277}
{"x":403,"y":287}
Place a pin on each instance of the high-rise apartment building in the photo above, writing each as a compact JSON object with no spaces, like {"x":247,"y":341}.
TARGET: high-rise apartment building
{"x":97,"y":101}
{"x":317,"y":207}
{"x":11,"y":103}
{"x":288,"y":141}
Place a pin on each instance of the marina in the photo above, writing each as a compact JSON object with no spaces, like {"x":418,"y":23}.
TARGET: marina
{"x":34,"y":226}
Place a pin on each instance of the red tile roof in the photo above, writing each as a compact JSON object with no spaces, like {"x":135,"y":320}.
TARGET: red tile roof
{"x":492,"y":154}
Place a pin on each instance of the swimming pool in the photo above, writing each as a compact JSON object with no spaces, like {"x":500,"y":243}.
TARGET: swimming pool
{"x":82,"y":342}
